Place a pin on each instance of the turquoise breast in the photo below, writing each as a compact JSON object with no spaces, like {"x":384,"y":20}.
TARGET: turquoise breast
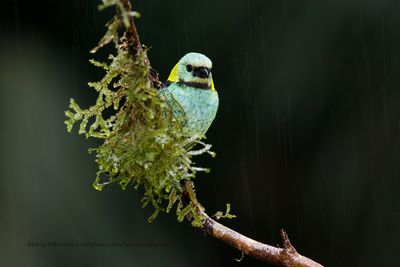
{"x":199,"y":105}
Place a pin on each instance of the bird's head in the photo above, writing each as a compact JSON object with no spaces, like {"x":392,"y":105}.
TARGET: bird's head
{"x":194,"y":69}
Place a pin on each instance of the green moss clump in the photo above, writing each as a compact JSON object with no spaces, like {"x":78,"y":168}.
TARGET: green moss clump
{"x":226,"y":215}
{"x":143,"y":143}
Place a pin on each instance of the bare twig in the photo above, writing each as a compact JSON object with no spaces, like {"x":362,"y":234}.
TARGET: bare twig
{"x":131,"y":32}
{"x":286,"y":256}
{"x":134,"y":44}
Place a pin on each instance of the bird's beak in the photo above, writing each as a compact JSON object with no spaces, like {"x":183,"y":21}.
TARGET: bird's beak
{"x":201,"y":72}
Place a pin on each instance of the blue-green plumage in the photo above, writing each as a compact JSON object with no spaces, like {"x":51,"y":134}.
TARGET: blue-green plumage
{"x":195,"y":108}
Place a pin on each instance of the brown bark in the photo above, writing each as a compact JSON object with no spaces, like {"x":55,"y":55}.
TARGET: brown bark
{"x":286,"y":256}
{"x":131,"y":32}
{"x":134,"y":45}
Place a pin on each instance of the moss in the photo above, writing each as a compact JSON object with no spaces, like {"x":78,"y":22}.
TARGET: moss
{"x":143,"y":145}
{"x":226,"y":215}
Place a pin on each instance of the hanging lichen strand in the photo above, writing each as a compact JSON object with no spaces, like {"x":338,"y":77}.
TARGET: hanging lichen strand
{"x":143,"y":144}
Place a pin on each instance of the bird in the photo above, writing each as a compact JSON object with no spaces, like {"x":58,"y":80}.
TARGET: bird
{"x":191,"y":95}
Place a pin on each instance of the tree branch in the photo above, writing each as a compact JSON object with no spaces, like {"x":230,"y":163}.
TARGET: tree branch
{"x":131,"y":32}
{"x":286,"y":256}
{"x":134,"y":44}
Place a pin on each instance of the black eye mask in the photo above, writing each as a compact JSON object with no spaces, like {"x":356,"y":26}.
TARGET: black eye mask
{"x":201,"y":72}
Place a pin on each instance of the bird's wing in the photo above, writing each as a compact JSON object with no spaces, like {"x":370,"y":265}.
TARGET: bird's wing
{"x":177,"y":109}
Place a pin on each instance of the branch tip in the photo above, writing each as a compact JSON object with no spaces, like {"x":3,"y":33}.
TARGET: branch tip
{"x":287,"y":246}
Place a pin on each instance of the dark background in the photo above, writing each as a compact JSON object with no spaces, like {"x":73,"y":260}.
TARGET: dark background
{"x":307,"y":134}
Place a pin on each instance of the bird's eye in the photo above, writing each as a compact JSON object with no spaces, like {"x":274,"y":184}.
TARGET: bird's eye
{"x":189,"y":68}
